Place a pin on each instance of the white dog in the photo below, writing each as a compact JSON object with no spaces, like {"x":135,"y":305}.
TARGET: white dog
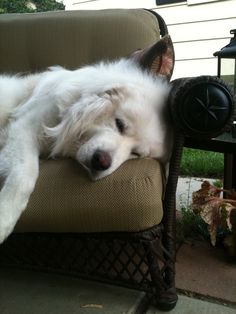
{"x":100,"y":115}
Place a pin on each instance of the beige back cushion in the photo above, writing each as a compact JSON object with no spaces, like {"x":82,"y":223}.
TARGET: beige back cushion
{"x":71,"y":39}
{"x":65,"y":199}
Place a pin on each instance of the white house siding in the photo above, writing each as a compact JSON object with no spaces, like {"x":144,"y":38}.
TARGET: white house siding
{"x":198,"y":28}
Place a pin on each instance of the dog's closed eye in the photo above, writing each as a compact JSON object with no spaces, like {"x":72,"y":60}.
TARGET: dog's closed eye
{"x":120,"y":125}
{"x":135,"y":154}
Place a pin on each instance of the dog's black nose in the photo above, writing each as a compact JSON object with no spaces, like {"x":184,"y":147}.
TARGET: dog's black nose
{"x":100,"y":161}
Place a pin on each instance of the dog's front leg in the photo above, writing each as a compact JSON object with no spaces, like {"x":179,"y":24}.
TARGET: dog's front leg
{"x":19,"y":167}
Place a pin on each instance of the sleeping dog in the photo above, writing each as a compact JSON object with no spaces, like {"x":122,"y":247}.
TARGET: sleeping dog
{"x":101,"y":115}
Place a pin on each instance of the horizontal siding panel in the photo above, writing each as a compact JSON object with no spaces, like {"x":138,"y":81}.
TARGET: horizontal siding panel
{"x":182,"y":14}
{"x":108,"y":4}
{"x":195,"y":68}
{"x":196,"y":30}
{"x":173,"y":14}
{"x":202,"y":30}
{"x":193,"y":2}
{"x":198,"y":49}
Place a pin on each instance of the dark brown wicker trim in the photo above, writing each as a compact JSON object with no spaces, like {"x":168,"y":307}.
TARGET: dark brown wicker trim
{"x":161,"y":21}
{"x":181,"y":89}
{"x":117,"y":258}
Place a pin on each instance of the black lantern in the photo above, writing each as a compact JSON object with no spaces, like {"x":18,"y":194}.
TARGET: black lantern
{"x":227,"y":62}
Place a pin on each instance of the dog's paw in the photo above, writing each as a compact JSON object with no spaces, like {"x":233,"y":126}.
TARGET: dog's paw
{"x":5,"y":230}
{"x":7,"y":223}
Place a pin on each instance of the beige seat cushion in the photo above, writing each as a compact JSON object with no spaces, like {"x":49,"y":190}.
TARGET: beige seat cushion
{"x":66,"y":200}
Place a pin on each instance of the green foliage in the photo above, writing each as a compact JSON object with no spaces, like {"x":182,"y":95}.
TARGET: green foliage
{"x":202,"y":163}
{"x":190,"y":226}
{"x":29,"y":6}
{"x":218,"y":184}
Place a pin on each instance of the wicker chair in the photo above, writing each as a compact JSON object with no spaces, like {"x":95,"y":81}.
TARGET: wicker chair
{"x":120,"y":229}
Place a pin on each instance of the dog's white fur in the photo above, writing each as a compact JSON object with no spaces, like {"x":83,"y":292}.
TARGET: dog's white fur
{"x":112,"y":108}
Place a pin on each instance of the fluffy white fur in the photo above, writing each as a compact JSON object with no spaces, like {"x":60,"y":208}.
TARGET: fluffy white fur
{"x":100,"y":115}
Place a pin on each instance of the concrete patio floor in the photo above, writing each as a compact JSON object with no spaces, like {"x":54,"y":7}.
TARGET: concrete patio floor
{"x":206,"y":282}
{"x":27,"y":292}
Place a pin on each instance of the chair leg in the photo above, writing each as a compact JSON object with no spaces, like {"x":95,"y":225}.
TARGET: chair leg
{"x":164,"y":296}
{"x":166,"y":300}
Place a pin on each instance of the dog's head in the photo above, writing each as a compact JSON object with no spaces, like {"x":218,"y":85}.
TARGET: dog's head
{"x":115,"y":121}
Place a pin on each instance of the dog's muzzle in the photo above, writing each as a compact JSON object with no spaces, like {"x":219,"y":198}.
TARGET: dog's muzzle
{"x":100,"y":161}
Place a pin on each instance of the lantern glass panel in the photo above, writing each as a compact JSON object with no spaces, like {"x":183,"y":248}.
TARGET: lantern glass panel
{"x":227,"y":72}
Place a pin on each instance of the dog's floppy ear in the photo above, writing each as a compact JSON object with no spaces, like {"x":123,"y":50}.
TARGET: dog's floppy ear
{"x":78,"y":118}
{"x":159,"y":58}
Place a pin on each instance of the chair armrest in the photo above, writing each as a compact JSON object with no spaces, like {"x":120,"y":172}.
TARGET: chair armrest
{"x":201,"y":106}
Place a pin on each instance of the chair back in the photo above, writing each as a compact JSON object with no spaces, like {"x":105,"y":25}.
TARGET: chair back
{"x":32,"y":42}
